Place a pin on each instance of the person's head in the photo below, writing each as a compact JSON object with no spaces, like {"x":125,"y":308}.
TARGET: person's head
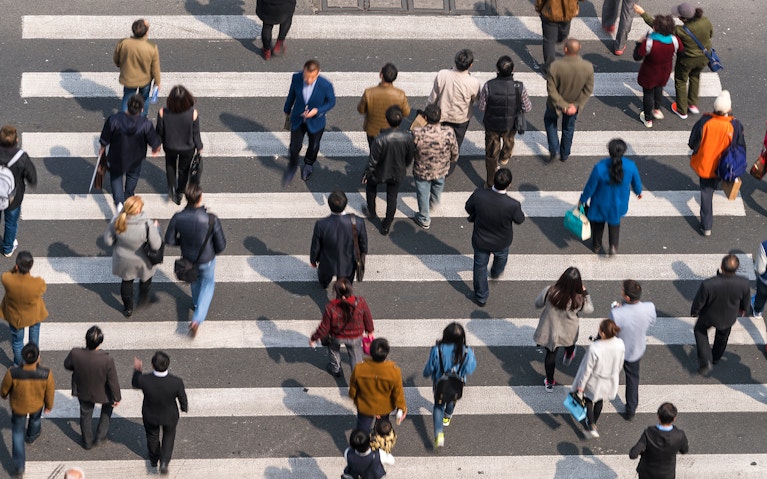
{"x":572,"y":46}
{"x":311,"y":71}
{"x":608,"y":329}
{"x":30,"y":353}
{"x":74,"y":473}
{"x":24,"y":262}
{"x":505,"y":66}
{"x":684,"y":11}
{"x":433,"y":114}
{"x":616,"y":148}
{"x":730,"y":264}
{"x":379,"y":350}
{"x":179,"y":99}
{"x":502,"y":179}
{"x":723,"y":103}
{"x":667,"y":413}
{"x":132,"y":206}
{"x":337,"y":201}
{"x":394,"y":116}
{"x":664,"y":24}
{"x":135,"y":104}
{"x":160,"y":361}
{"x":343,"y":288}
{"x":93,"y":338}
{"x":567,"y":292}
{"x":383,"y":427}
{"x":359,"y":440}
{"x":632,"y":290}
{"x":140,"y":28}
{"x":464,"y":59}
{"x":8,"y":136}
{"x":193,"y":194}
{"x":454,"y":334}
{"x":389,"y":73}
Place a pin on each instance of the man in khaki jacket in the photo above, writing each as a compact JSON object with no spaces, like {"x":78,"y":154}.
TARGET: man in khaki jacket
{"x":139,"y":62}
{"x":555,"y":22}
{"x":377,"y":99}
{"x":454,"y":92}
{"x":23,"y":305}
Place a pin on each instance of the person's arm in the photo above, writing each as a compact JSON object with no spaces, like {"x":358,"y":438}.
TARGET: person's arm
{"x":50,"y":393}
{"x":435,"y":91}
{"x":329,"y":102}
{"x":324,"y":328}
{"x":685,"y":447}
{"x":362,"y":236}
{"x":470,"y":363}
{"x":431,"y":363}
{"x":155,"y":237}
{"x":587,"y":90}
{"x":196,"y":132}
{"x":527,"y":105}
{"x":362,"y":106}
{"x":136,"y":379}
{"x":116,"y":54}
{"x":30,"y":172}
{"x":113,"y":384}
{"x":519,"y":215}
{"x":700,"y":300}
{"x":482,"y":103}
{"x":639,"y":447}
{"x":591,"y":186}
{"x":540,"y":301}
{"x":291,"y":99}
{"x":556,"y":97}
{"x":585,"y":370}
{"x":316,"y":246}
{"x":398,"y":392}
{"x":376,"y":149}
{"x":68,"y":363}
{"x":454,"y":151}
{"x":405,"y":106}
{"x":181,"y":396}
{"x":218,"y":239}
{"x":696,"y":135}
{"x":160,"y":128}
{"x":152,"y":138}
{"x":760,"y":261}
{"x":155,"y":68}
{"x":7,"y":384}
{"x":110,"y":235}
{"x":470,"y":207}
{"x":636,"y":182}
{"x":588,"y":305}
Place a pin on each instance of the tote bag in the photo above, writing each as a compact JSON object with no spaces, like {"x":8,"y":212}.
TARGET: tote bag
{"x":578,"y":224}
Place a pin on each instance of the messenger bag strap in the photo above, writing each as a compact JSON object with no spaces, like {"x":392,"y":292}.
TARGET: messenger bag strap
{"x":207,"y":237}
{"x":695,"y":39}
{"x":355,"y":238}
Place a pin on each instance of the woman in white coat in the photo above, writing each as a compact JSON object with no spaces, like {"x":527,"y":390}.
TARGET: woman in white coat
{"x":598,"y":374}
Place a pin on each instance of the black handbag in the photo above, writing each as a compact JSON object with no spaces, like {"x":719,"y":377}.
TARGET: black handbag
{"x":155,"y":256}
{"x":186,"y":270}
{"x":520,"y":122}
{"x":195,"y":168}
{"x":359,"y":257}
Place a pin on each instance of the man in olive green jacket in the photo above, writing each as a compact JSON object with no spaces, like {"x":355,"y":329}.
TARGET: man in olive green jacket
{"x":139,"y":62}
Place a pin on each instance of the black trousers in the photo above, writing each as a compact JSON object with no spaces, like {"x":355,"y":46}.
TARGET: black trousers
{"x":266,"y":32}
{"x":550,"y":361}
{"x":593,"y":411}
{"x":459,"y":129}
{"x":297,"y":142}
{"x":392,"y":190}
{"x":632,"y":385}
{"x":705,"y":354}
{"x":598,"y":230}
{"x":177,"y":162}
{"x":553,"y":33}
{"x":651,"y":100}
{"x":86,"y":422}
{"x":160,"y":449}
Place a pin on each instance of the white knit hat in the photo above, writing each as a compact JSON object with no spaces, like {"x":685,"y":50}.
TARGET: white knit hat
{"x":723,"y":103}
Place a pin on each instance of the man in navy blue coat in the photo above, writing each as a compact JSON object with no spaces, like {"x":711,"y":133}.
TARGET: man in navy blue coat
{"x":309,"y":99}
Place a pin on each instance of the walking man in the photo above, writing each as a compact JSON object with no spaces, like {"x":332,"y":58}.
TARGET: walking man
{"x":493,"y":213}
{"x":201,"y":238}
{"x":717,"y":304}
{"x":94,"y":381}
{"x":569,"y":86}
{"x":31,"y":388}
{"x":160,"y":410}
{"x":333,"y":248}
{"x":16,"y":160}
{"x":23,"y":306}
{"x":611,"y":10}
{"x":309,"y":100}
{"x":555,"y":23}
{"x":454,"y":92}
{"x":390,"y":155}
{"x":760,"y":267}
{"x":377,"y":99}
{"x":139,"y":62}
{"x":501,"y":99}
{"x":634,"y":318}
{"x":436,"y":151}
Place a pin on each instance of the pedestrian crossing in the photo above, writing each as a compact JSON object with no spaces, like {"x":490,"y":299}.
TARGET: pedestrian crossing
{"x":261,"y":405}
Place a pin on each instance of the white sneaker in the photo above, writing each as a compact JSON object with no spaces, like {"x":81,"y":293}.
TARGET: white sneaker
{"x":386,"y":458}
{"x":693,"y":109}
{"x":758,"y":315}
{"x":658,"y":115}
{"x":119,"y":207}
{"x":645,"y":122}
{"x":15,"y":245}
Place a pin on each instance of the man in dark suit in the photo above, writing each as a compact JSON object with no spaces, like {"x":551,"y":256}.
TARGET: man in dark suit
{"x":718,"y":303}
{"x":309,"y":99}
{"x":332,"y":251}
{"x":493,"y":212}
{"x":161,"y":390}
{"x":94,"y":381}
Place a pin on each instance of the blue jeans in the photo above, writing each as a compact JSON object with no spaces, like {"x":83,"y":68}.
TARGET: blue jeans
{"x":17,"y":341}
{"x":143,"y":91}
{"x":481,"y":259}
{"x":439,"y":412}
{"x":18,"y":435}
{"x":761,"y":296}
{"x":11,"y":227}
{"x":202,"y":290}
{"x":550,"y":119}
{"x":427,"y":192}
{"x":120,"y":192}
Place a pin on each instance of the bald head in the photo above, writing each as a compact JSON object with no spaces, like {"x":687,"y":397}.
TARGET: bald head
{"x":74,"y":473}
{"x":730,"y":264}
{"x":572,"y":46}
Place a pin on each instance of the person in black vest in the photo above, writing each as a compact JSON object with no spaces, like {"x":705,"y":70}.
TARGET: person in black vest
{"x":658,"y":446}
{"x":361,"y":461}
{"x":498,"y":99}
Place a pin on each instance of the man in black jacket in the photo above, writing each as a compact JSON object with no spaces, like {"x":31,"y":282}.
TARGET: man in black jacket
{"x":201,"y":238}
{"x":493,"y":212}
{"x":23,"y":172}
{"x":391,"y":153}
{"x":718,"y":303}
{"x":94,"y":381}
{"x":159,"y":410}
{"x":332,"y":251}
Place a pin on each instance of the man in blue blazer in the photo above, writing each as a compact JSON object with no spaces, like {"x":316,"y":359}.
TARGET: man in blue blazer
{"x":309,"y":99}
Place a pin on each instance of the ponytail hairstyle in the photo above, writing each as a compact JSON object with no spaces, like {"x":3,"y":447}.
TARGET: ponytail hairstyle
{"x":455,"y":334}
{"x":698,"y":13}
{"x":343,"y":289}
{"x":616,"y":148}
{"x":132,"y":207}
{"x":567,"y":292}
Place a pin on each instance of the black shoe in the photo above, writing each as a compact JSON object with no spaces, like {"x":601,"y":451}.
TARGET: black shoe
{"x":178,"y":197}
{"x":336,"y":374}
{"x":563,"y":158}
{"x":553,"y":157}
{"x":628,"y":416}
{"x":479,"y":303}
{"x":128,"y":312}
{"x":419,"y":222}
{"x":163,"y":468}
{"x":153,"y":464}
{"x":385,"y":229}
{"x":371,"y":216}
{"x":705,"y":369}
{"x":596,"y":248}
{"x":613,"y":250}
{"x":307,"y":172}
{"x":287,"y":177}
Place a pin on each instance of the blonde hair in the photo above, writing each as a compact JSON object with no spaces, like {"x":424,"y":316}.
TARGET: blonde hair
{"x":132,"y":207}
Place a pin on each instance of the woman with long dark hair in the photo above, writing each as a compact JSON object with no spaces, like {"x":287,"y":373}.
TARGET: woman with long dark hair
{"x":558,"y":326}
{"x":607,"y":193}
{"x":450,"y":354}
{"x":178,"y":125}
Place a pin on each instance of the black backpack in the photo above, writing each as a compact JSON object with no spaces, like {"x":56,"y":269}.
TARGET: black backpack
{"x":449,"y":385}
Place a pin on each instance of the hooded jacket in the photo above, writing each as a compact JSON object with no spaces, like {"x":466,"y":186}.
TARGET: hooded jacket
{"x":23,"y":172}
{"x":127,"y":137}
{"x":658,"y":450}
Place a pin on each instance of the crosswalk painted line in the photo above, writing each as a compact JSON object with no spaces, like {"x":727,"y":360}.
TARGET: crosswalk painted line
{"x":345,"y":84}
{"x":265,"y":333}
{"x":355,"y":143}
{"x":420,"y":268}
{"x":304,"y":205}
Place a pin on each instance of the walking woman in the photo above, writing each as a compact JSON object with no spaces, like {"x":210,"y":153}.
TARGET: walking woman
{"x":598,"y":375}
{"x":449,"y":354}
{"x":274,"y":12}
{"x":128,"y":231}
{"x":178,"y":125}
{"x":607,"y":192}
{"x":558,"y":326}
{"x":345,"y":320}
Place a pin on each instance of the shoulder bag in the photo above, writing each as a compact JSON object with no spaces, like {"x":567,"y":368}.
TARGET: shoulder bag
{"x":520,"y":122}
{"x":155,"y":256}
{"x":449,"y":385}
{"x":714,"y":63}
{"x":359,"y":257}
{"x":195,"y":168}
{"x":186,"y":270}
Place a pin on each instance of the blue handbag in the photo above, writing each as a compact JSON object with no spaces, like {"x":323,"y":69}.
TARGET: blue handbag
{"x":575,"y":406}
{"x":577,"y":223}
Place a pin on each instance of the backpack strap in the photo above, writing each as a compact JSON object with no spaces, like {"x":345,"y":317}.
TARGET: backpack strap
{"x":15,"y":158}
{"x":675,"y":41}
{"x":647,"y":45}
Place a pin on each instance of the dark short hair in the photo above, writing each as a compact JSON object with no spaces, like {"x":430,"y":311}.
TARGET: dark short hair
{"x":30,"y":352}
{"x":359,"y":440}
{"x":394,"y":116}
{"x":609,"y":328}
{"x":632,"y":289}
{"x":179,"y":99}
{"x":664,"y":24}
{"x":139,"y":28}
{"x":730,"y":264}
{"x":379,"y":349}
{"x":667,"y":413}
{"x":135,"y":104}
{"x":193,"y":193}
{"x":24,"y":262}
{"x":160,"y":361}
{"x":433,"y":113}
{"x":383,"y":426}
{"x":311,"y":65}
{"x":389,"y":73}
{"x":8,"y":135}
{"x":463,"y":59}
{"x":93,"y":337}
{"x":502,"y":179}
{"x":337,"y":201}
{"x":505,"y":66}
